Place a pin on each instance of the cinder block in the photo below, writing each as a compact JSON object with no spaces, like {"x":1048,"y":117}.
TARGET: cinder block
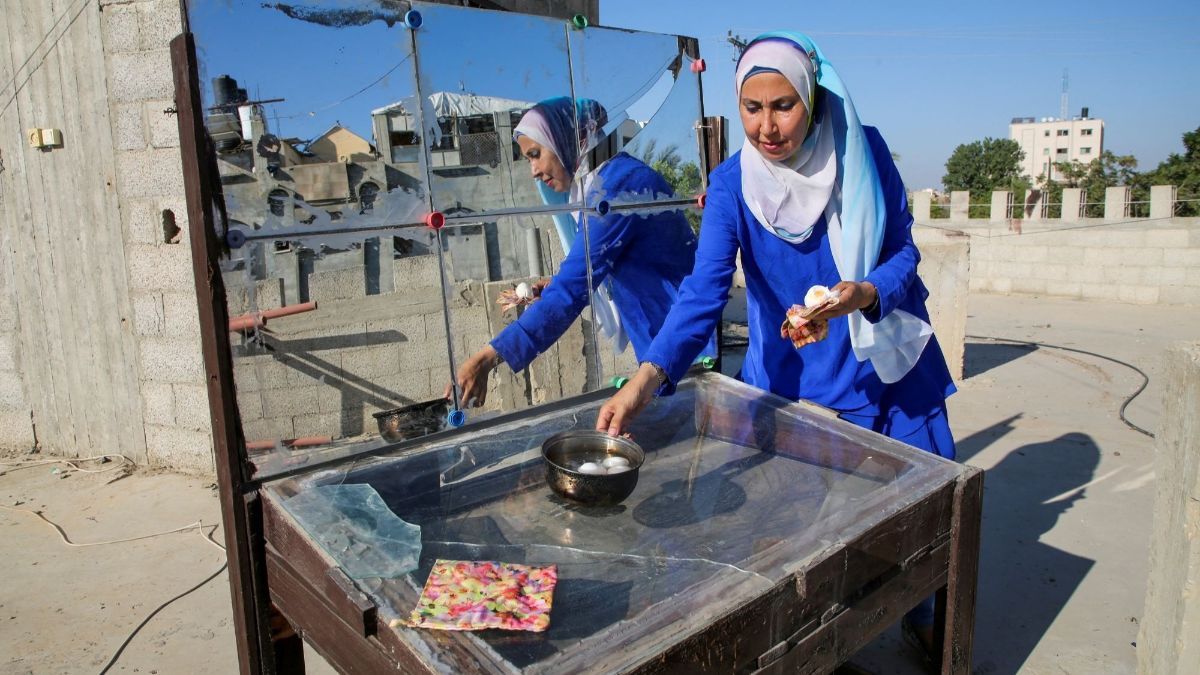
{"x":1122,"y":275}
{"x":416,"y":272}
{"x":140,"y":76}
{"x":290,"y":402}
{"x":181,"y":316}
{"x":1103,"y":256}
{"x":1068,"y":289}
{"x":164,"y":127}
{"x":407,"y":328}
{"x":1144,"y":255}
{"x":142,"y":221}
{"x":1168,"y":276}
{"x":157,"y":268}
{"x":148,"y":315}
{"x":12,"y":395}
{"x":180,"y":449}
{"x":249,"y":405}
{"x":171,"y":360}
{"x":1033,"y":254}
{"x":1172,"y":238}
{"x":120,"y":26}
{"x":16,"y":429}
{"x":1053,"y":272}
{"x":334,"y":285}
{"x":1138,"y":295}
{"x":1179,"y":295}
{"x":268,"y":429}
{"x":130,"y":130}
{"x":158,"y":403}
{"x":1099,"y":291}
{"x":191,"y":407}
{"x":318,"y":424}
{"x":1189,"y":257}
{"x":150,"y":173}
{"x":371,"y":363}
{"x":1028,"y":285}
{"x":159,"y":21}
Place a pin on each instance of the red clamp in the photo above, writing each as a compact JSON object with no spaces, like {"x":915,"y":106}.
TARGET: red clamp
{"x":698,"y":66}
{"x":701,"y":199}
{"x":435,"y":220}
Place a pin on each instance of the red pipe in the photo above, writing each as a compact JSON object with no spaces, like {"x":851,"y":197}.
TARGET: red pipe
{"x":302,"y":442}
{"x":255,"y":320}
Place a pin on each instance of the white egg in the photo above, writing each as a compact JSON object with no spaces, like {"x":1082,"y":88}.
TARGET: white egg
{"x":523,"y":291}
{"x":615,"y":460}
{"x":591,"y":468}
{"x":619,"y":468}
{"x":815,"y":296}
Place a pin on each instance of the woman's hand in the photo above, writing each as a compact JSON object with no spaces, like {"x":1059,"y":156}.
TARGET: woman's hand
{"x":472,"y":377}
{"x":629,"y":401}
{"x":852,"y":297}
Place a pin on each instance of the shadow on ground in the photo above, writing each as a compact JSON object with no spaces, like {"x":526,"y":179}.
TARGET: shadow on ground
{"x":980,"y":357}
{"x":1023,"y":582}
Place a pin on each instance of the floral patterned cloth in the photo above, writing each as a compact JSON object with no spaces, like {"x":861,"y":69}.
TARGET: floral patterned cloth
{"x":473,"y":595}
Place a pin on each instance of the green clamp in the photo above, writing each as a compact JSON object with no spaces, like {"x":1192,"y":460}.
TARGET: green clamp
{"x":708,"y":362}
{"x":579,"y":22}
{"x":618,"y":381}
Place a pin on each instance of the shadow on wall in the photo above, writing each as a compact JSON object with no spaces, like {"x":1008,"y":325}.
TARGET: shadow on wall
{"x":1023,"y":582}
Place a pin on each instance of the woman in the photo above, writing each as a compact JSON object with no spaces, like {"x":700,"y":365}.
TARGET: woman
{"x":812,"y":198}
{"x":638,"y":261}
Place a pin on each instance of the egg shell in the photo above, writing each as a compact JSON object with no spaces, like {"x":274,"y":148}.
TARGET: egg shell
{"x":591,"y":468}
{"x":615,"y":460}
{"x":523,"y":290}
{"x":619,"y":468}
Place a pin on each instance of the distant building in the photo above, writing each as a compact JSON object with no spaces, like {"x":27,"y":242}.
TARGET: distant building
{"x":1049,"y":140}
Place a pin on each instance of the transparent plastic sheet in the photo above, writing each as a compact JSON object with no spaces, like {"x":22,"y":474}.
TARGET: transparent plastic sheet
{"x":739,"y":490}
{"x":356,"y":528}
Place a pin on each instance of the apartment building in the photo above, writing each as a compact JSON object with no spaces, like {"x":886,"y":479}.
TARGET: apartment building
{"x":1050,"y":140}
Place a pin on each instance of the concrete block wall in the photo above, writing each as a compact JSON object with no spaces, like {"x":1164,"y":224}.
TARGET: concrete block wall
{"x":1148,"y":262}
{"x":149,"y":182}
{"x":1169,"y":637}
{"x":945,"y":269}
{"x":103,"y":341}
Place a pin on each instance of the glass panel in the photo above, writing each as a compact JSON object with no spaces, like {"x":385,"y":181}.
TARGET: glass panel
{"x":479,"y":72}
{"x":700,"y":535}
{"x":333,"y":288}
{"x":540,"y":323}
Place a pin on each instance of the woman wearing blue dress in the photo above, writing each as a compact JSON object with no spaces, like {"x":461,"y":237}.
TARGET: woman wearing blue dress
{"x":813,"y":198}
{"x":638,"y":261}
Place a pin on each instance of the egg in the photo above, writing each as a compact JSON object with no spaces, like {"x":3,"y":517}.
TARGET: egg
{"x":815,"y":296}
{"x":524,"y":291}
{"x":615,"y":460}
{"x":591,"y":468}
{"x":619,"y":468}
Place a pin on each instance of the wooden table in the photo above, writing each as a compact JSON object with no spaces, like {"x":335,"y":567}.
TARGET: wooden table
{"x":761,"y":538}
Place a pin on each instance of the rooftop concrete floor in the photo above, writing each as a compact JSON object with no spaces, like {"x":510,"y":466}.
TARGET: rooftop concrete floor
{"x":1067,"y":515}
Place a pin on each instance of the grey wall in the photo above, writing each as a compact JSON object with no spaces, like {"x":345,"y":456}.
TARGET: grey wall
{"x":100,"y":336}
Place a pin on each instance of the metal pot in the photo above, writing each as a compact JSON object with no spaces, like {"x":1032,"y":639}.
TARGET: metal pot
{"x":564,"y":453}
{"x":412,"y":421}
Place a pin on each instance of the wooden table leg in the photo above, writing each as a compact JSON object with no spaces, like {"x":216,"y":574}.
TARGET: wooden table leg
{"x":954,"y":626}
{"x":286,"y":645}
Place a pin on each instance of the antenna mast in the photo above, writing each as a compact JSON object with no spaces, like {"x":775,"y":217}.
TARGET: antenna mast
{"x":1062,"y":113}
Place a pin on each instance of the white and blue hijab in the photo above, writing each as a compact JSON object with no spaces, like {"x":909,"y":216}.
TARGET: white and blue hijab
{"x":570,"y":128}
{"x":834,"y":175}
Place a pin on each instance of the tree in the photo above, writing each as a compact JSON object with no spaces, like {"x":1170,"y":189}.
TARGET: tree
{"x":1095,"y":177}
{"x":1182,"y":171}
{"x":983,"y":166}
{"x":683,"y":177}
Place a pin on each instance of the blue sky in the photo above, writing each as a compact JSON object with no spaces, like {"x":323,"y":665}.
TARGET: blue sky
{"x":932,"y":75}
{"x":929,"y":75}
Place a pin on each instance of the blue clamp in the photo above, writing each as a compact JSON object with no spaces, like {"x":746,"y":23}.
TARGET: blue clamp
{"x":456,"y":418}
{"x":603,"y":207}
{"x":413,"y":19}
{"x":235,"y":238}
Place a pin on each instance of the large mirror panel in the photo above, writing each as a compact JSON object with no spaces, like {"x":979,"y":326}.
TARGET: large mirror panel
{"x":480,"y":72}
{"x":333,"y":282}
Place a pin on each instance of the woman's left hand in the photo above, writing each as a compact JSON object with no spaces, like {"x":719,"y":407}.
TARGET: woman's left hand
{"x":852,"y":297}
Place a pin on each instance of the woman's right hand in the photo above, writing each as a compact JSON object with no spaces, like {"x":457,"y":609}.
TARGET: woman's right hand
{"x":629,"y":401}
{"x":472,"y":377}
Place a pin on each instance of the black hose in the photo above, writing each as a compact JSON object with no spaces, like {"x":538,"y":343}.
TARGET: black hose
{"x":1124,"y":404}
